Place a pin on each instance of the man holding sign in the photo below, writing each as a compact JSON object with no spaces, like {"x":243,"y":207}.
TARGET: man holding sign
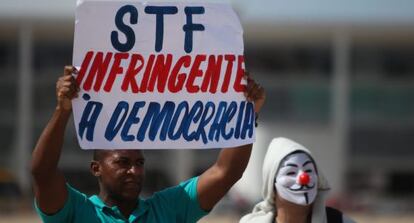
{"x":120,"y":174}
{"x":149,"y":86}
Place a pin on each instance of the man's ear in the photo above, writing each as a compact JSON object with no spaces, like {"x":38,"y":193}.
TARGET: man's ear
{"x":95,"y":168}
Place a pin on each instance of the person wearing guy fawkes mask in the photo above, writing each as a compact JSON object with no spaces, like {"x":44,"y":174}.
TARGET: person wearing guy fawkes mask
{"x":294,"y":189}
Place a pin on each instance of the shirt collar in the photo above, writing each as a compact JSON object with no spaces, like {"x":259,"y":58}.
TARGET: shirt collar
{"x":142,"y":208}
{"x":142,"y":205}
{"x":97,"y":202}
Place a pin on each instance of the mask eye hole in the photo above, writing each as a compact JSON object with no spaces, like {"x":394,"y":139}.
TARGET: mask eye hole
{"x":308,"y":171}
{"x":291,"y":173}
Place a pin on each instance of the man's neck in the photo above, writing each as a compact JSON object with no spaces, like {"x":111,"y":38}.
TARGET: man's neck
{"x":291,"y":213}
{"x":126,"y":207}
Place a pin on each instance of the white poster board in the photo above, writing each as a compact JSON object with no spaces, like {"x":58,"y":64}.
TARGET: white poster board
{"x":157,"y":75}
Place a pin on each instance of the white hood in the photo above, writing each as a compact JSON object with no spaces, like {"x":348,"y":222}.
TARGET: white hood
{"x":263,"y":212}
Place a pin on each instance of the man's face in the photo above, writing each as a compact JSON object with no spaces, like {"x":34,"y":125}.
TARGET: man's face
{"x":297,"y":180}
{"x":121,"y":173}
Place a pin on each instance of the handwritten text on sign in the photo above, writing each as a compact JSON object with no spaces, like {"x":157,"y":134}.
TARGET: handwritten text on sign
{"x":160,"y":75}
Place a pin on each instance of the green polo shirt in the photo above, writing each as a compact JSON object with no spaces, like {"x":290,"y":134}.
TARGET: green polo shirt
{"x":177,"y":204}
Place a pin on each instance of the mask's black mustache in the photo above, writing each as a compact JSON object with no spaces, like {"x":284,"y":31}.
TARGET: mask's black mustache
{"x":303,"y":187}
{"x":306,"y":198}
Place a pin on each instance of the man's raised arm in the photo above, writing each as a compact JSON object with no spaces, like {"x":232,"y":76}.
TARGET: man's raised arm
{"x":48,"y":182}
{"x":215,"y":182}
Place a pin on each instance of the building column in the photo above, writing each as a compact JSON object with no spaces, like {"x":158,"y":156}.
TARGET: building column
{"x":183,"y":164}
{"x":341,"y":47}
{"x":25,"y":109}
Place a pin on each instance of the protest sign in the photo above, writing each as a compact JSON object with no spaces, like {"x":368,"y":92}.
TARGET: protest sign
{"x":157,"y":75}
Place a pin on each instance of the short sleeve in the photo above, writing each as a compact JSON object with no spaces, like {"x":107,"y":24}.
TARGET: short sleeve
{"x":179,"y":202}
{"x":67,"y":213}
{"x":192,"y":210}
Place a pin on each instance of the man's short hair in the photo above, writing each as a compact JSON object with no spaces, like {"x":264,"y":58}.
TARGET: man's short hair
{"x":98,"y":154}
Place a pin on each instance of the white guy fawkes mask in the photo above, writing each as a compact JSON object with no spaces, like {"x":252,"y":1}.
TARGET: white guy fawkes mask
{"x":297,"y":180}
